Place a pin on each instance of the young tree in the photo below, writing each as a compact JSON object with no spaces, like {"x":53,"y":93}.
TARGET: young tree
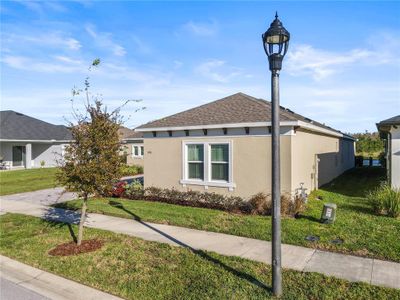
{"x":91,"y":161}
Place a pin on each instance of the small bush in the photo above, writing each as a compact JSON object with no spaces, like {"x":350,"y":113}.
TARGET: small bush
{"x":134,"y":190}
{"x":261,"y":204}
{"x":131,"y":170}
{"x":385,"y":200}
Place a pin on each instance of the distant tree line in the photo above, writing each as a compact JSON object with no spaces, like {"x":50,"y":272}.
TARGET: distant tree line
{"x":368,"y":144}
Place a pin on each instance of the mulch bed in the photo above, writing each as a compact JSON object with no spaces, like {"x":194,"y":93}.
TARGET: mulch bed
{"x":71,"y":248}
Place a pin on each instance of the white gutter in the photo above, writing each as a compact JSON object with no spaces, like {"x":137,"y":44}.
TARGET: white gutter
{"x":215,"y":126}
{"x":302,"y":124}
{"x":36,"y":141}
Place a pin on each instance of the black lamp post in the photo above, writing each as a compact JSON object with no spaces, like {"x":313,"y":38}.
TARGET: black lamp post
{"x":276,"y":42}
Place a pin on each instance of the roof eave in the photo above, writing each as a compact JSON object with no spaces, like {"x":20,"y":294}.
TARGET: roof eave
{"x":302,"y":124}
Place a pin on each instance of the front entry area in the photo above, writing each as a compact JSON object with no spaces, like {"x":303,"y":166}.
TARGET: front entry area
{"x":18,"y":156}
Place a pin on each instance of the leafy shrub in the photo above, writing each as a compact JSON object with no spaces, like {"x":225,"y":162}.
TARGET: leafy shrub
{"x":134,"y":190}
{"x":197,"y":199}
{"x":131,"y":170}
{"x":385,"y":200}
{"x":261,"y":204}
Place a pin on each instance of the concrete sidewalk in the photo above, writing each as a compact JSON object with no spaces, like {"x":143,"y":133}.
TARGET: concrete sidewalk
{"x":348,"y":267}
{"x":38,"y":284}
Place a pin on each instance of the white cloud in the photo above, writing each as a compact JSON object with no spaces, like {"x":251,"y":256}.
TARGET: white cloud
{"x":201,"y":29}
{"x":307,"y":60}
{"x":29,"y":64}
{"x":104,"y":40}
{"x":52,"y":39}
{"x":320,"y":64}
{"x":40,"y":7}
{"x":217,"y":70}
{"x":177,"y":64}
{"x":141,"y":46}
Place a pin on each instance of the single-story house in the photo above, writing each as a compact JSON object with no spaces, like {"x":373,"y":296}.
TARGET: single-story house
{"x":225,"y":147}
{"x":26,"y":142}
{"x":390,"y":131}
{"x":134,"y":148}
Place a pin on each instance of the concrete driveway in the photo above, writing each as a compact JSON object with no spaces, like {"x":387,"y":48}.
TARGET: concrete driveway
{"x":44,"y":197}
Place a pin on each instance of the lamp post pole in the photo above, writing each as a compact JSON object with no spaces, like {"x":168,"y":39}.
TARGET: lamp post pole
{"x":276,"y":42}
{"x":276,"y":188}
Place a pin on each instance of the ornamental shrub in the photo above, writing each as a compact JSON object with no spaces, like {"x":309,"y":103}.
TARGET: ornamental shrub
{"x":132,"y":170}
{"x":259,"y":204}
{"x":385,"y":200}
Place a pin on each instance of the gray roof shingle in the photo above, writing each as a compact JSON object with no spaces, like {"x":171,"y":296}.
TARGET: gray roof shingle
{"x":391,"y":121}
{"x":17,"y":126}
{"x":237,"y":108}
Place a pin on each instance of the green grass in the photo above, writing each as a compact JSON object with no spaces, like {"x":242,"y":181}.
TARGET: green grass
{"x":20,"y":181}
{"x":135,"y":269}
{"x":363,"y":232}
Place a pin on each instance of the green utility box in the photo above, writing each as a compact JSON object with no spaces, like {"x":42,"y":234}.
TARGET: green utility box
{"x":328,"y":213}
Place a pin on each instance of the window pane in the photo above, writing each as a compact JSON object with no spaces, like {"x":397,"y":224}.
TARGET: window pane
{"x":141,"y":150}
{"x":220,"y":171}
{"x":220,"y":152}
{"x":136,"y":149}
{"x":196,"y":171}
{"x":195,"y":152}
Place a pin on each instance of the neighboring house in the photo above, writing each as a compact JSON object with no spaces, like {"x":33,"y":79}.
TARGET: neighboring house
{"x":390,"y":131}
{"x":225,"y":147}
{"x":134,"y":149}
{"x":25,"y":142}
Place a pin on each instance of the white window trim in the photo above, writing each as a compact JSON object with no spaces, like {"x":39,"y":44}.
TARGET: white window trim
{"x":139,"y":151}
{"x":207,"y":166}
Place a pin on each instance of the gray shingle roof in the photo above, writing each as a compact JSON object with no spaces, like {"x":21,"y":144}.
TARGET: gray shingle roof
{"x":135,"y":135}
{"x":237,"y":108}
{"x":391,"y":121}
{"x":17,"y":126}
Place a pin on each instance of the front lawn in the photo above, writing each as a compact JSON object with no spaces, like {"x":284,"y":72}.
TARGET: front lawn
{"x":20,"y":181}
{"x":136,"y":269}
{"x":363,"y":232}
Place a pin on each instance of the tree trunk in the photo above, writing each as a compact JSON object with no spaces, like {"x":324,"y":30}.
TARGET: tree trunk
{"x":82,"y":221}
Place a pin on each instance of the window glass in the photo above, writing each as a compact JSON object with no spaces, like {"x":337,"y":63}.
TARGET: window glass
{"x":136,"y":150}
{"x":195,"y":161}
{"x":220,"y":162}
{"x":141,"y":150}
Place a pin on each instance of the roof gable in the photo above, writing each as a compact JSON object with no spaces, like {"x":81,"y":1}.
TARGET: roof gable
{"x":234,"y":109}
{"x":17,"y":126}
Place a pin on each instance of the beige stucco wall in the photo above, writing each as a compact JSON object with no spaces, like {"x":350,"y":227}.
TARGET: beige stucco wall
{"x":335,"y":156}
{"x":163,"y":160}
{"x":395,"y":156}
{"x":251,"y":163}
{"x":130,"y":159}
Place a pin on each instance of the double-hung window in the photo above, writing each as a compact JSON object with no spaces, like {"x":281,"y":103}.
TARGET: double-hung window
{"x":207,"y":164}
{"x":220,"y":162}
{"x":195,"y":160}
{"x":137,"y":151}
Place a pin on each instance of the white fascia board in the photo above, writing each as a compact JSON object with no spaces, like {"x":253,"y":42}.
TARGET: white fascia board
{"x":35,"y":141}
{"x":319,"y":129}
{"x":306,"y":125}
{"x":216,"y":126}
{"x":132,"y":139}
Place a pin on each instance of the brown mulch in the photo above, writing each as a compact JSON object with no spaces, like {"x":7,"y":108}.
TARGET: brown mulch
{"x":71,"y":248}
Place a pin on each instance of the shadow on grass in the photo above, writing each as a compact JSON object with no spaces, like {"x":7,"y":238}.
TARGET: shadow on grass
{"x":200,"y":253}
{"x":309,"y":218}
{"x":356,"y":182}
{"x":56,"y":217}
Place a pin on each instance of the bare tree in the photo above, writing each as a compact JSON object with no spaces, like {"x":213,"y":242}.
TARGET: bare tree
{"x":91,"y":161}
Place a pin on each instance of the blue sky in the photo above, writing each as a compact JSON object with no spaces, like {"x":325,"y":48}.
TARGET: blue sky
{"x":342,"y":67}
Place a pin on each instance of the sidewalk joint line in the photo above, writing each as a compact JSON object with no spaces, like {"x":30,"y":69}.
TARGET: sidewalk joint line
{"x":312,"y":255}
